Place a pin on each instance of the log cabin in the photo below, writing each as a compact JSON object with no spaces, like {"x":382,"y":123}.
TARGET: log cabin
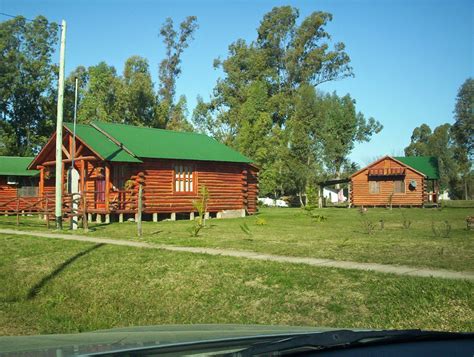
{"x":16,"y":181}
{"x":396,"y":181}
{"x":112,"y":158}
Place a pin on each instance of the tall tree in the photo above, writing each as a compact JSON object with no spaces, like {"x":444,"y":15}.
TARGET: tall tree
{"x":141,"y":106}
{"x":82,"y":76}
{"x":463,"y":132}
{"x":259,"y":99}
{"x":105,"y":98}
{"x":419,"y":144}
{"x":438,"y":143}
{"x":285,"y":55}
{"x":27,"y":78}
{"x":340,"y":128}
{"x":176,"y":41}
{"x":304,"y":144}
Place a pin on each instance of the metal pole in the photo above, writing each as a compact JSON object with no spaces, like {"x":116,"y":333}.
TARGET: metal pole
{"x":74,"y":126}
{"x":140,"y":209}
{"x":73,"y":174}
{"x":59,"y":131}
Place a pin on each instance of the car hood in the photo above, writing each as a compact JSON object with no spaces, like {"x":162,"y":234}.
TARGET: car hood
{"x":123,"y":338}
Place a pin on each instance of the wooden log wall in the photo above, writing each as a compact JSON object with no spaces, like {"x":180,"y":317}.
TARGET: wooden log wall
{"x":226,"y":182}
{"x":9,"y":193}
{"x":361,"y":196}
{"x":252,"y":182}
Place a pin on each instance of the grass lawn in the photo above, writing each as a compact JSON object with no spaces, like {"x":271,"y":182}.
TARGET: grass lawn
{"x":55,"y":286}
{"x":343,"y":236}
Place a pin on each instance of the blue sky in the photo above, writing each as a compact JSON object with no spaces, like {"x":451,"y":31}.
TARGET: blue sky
{"x":409,"y":57}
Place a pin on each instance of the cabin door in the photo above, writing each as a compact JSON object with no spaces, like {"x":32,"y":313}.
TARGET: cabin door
{"x":100,"y":192}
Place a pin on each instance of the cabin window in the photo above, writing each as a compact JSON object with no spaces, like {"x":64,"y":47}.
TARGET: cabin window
{"x":399,"y":186}
{"x":374,"y":187}
{"x":27,"y":187}
{"x":183,"y":178}
{"x":120,"y":175}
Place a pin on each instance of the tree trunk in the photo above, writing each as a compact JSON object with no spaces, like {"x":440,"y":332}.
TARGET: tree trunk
{"x":466,"y":197}
{"x":301,"y":199}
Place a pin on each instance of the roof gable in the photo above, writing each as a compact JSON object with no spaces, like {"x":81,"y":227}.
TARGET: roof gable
{"x":16,"y":166}
{"x":385,"y":158}
{"x":101,"y":144}
{"x":167,"y":144}
{"x":427,"y":165}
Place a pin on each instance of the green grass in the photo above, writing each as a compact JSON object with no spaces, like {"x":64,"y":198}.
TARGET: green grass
{"x":342,"y":236}
{"x":56,"y":286}
{"x":458,"y":203}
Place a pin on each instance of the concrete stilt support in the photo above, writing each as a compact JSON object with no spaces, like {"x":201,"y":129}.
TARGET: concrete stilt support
{"x":89,"y":217}
{"x":191,"y":216}
{"x":173,"y":216}
{"x":206,"y":215}
{"x":23,"y":213}
{"x":99,"y":218}
{"x":107,"y":218}
{"x":136,"y":217}
{"x":155,"y":217}
{"x":121,"y":217}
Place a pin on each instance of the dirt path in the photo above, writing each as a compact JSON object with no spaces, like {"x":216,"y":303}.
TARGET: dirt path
{"x":382,"y":268}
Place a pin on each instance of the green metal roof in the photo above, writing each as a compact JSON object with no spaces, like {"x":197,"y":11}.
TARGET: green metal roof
{"x":16,"y":166}
{"x":101,"y":144}
{"x":427,"y":165}
{"x":167,"y":144}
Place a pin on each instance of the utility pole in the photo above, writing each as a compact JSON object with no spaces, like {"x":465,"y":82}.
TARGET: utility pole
{"x":59,"y":133}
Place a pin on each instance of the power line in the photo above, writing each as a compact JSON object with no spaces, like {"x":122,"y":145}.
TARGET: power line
{"x":13,"y":17}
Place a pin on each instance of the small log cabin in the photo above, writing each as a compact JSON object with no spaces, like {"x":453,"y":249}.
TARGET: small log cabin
{"x":397,"y":181}
{"x":109,"y":158}
{"x":16,"y":181}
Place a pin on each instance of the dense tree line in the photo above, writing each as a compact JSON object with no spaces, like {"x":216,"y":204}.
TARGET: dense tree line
{"x":267,"y":104}
{"x":28,"y":80}
{"x":452,"y":145}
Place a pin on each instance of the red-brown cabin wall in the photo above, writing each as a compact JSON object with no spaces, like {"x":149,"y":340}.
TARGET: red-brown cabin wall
{"x":361,"y":196}
{"x":227,"y":184}
{"x":9,"y":193}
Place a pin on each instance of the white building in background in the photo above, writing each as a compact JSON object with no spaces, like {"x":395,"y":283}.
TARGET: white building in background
{"x":334,"y":196}
{"x":444,"y":195}
{"x":272,"y":203}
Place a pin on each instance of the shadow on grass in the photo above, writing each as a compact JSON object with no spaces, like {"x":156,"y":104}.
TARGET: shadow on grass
{"x":38,"y":286}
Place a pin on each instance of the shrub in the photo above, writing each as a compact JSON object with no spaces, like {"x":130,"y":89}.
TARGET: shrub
{"x":261,"y":221}
{"x":442,"y":229}
{"x":319,"y":218}
{"x":367,"y":225}
{"x":406,"y":223}
{"x":201,"y":206}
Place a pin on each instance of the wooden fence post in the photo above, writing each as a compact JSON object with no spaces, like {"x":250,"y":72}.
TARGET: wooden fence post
{"x":140,"y":208}
{"x":17,"y":211}
{"x":85,"y":225}
{"x":46,"y":213}
{"x":141,"y":181}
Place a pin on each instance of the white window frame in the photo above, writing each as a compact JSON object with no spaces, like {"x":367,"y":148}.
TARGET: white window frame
{"x":184,"y":177}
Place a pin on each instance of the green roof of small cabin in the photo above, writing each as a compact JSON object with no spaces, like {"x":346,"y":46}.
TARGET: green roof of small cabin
{"x":132,"y":143}
{"x":16,"y":166}
{"x":427,"y":165}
